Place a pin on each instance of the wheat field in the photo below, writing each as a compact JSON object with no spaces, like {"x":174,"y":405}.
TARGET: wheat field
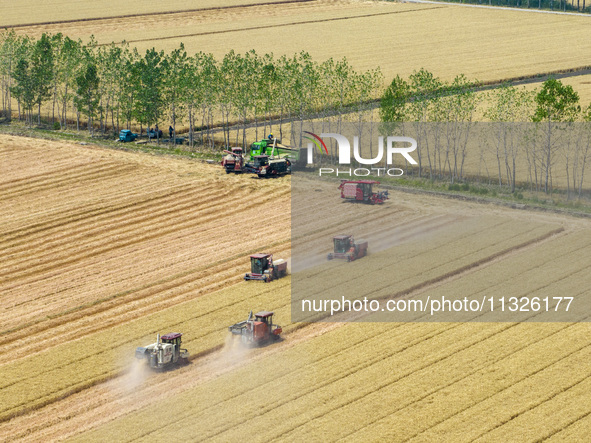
{"x":104,"y":248}
{"x":72,"y":323}
{"x":397,"y":37}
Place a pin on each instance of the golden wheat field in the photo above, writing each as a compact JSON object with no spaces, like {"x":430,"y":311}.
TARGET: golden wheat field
{"x":103,"y":249}
{"x":397,"y":37}
{"x":29,"y":12}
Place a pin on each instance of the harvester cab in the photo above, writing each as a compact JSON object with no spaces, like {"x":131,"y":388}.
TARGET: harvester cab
{"x":362,"y":190}
{"x":165,"y":352}
{"x":345,"y":247}
{"x":264,"y":269}
{"x":257,"y":330}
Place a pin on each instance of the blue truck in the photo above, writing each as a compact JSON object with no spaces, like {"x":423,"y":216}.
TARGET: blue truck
{"x":127,"y":136}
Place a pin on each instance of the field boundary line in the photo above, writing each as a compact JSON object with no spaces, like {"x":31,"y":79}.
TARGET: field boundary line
{"x":148,"y":14}
{"x":280,"y":25}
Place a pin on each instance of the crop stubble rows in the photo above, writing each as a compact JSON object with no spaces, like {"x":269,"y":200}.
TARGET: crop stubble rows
{"x":419,"y":376}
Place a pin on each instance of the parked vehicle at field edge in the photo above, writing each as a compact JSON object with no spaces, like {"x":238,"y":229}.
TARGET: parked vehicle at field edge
{"x":127,"y":136}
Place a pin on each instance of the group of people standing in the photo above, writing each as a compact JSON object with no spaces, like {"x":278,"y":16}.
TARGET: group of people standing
{"x":158,"y":132}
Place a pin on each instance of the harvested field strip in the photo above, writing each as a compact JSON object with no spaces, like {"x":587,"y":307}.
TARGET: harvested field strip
{"x":79,"y":322}
{"x":339,"y":222}
{"x":227,"y":4}
{"x":127,"y":273}
{"x":116,"y":191}
{"x":122,"y":226}
{"x":470,"y":228}
{"x":92,"y":175}
{"x":45,"y":377}
{"x":65,"y":213}
{"x":348,"y":16}
{"x":134,"y":285}
{"x":106,"y":245}
{"x":113,"y":221}
{"x":459,"y":252}
{"x":48,"y":176}
{"x":87,"y":216}
{"x":187,"y":273}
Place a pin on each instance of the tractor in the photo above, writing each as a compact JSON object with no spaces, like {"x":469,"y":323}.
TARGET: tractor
{"x":233,"y":161}
{"x":165,"y":353}
{"x":362,"y":190}
{"x":259,"y":331}
{"x":265,"y":166}
{"x":346,"y":248}
{"x":127,"y":136}
{"x":263,"y":268}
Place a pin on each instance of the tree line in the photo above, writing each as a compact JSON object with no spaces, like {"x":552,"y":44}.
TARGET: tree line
{"x":533,"y":130}
{"x":108,"y":87}
{"x":552,"y":5}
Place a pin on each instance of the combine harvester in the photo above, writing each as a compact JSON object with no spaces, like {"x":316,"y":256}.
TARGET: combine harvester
{"x":165,"y":353}
{"x":263,"y":268}
{"x":362,"y":191}
{"x":346,"y":248}
{"x":233,"y":161}
{"x":257,"y":332}
{"x":265,"y":166}
{"x":268,"y":146}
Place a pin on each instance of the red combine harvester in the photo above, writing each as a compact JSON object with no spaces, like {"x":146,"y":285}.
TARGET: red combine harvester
{"x":362,"y":190}
{"x":233,"y":161}
{"x":346,"y":248}
{"x":258,"y":331}
{"x":264,"y":269}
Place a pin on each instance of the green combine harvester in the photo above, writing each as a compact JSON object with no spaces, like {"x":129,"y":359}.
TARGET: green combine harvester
{"x":272,"y":147}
